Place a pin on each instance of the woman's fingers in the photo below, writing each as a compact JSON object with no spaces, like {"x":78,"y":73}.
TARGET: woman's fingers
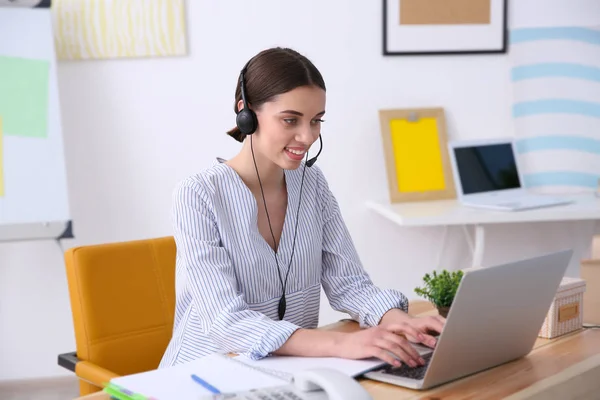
{"x":407,"y":329}
{"x":430,"y":324}
{"x":433,"y":324}
{"x":429,"y":341}
{"x":441,"y":319}
{"x":403,"y":344}
{"x":384,"y":356}
{"x":414,"y":333}
{"x":397,"y":351}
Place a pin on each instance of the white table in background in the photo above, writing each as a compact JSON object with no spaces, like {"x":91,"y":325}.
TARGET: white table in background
{"x":452,"y":213}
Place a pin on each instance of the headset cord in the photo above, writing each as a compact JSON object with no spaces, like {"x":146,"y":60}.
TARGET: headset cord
{"x":282,"y":302}
{"x":295,"y":229}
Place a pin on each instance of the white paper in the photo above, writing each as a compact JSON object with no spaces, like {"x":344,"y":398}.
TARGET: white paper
{"x":292,"y":364}
{"x":175,"y":383}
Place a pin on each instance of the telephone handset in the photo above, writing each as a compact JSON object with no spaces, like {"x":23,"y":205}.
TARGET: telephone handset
{"x":329,"y":384}
{"x":311,"y":384}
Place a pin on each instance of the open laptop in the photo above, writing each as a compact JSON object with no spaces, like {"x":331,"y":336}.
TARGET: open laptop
{"x":487,"y":174}
{"x":495,"y":318}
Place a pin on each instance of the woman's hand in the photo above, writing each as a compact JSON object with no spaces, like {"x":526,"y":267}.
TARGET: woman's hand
{"x":383,"y":342}
{"x":423,"y":325}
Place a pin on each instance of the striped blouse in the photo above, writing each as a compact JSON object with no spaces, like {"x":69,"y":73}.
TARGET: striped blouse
{"x":227,"y":285}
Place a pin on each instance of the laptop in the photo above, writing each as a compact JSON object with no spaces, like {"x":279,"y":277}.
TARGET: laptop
{"x":487,"y":175}
{"x":495,"y":318}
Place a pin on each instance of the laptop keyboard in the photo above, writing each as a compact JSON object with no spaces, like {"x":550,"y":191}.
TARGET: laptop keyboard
{"x":407,"y":371}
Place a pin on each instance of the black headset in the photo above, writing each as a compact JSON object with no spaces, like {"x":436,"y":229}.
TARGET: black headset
{"x":246,"y":119}
{"x":247,"y":123}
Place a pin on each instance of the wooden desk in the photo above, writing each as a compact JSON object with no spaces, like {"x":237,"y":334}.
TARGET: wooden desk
{"x":561,"y":368}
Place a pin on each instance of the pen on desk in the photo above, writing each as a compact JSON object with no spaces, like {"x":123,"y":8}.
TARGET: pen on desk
{"x":207,"y":385}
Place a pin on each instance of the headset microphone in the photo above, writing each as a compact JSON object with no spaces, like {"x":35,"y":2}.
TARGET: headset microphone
{"x":313,"y":160}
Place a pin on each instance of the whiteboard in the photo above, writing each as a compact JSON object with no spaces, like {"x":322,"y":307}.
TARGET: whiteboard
{"x":33,"y":183}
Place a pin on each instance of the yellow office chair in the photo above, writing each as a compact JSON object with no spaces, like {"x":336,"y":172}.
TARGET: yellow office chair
{"x":122,"y":300}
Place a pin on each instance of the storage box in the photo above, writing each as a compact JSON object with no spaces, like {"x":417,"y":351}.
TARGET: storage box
{"x":590,"y":271}
{"x":566,"y":312}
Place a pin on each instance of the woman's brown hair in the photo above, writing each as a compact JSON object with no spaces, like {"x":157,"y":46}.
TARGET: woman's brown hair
{"x":273,"y":72}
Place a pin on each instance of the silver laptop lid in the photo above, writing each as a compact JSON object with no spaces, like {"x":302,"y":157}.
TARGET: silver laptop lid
{"x":496,"y":316}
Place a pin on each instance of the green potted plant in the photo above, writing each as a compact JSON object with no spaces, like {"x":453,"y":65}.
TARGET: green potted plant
{"x":440,"y":289}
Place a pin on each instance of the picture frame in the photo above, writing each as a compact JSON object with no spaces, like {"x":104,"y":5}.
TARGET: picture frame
{"x":416,"y":154}
{"x":444,"y":27}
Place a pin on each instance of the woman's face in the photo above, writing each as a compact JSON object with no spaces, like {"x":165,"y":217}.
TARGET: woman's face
{"x":289,"y":125}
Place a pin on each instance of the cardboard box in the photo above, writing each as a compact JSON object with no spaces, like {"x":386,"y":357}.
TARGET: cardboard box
{"x":566,"y":312}
{"x":590,"y":271}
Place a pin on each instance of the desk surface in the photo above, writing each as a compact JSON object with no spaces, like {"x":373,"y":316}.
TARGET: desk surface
{"x":451,"y":212}
{"x":559,"y":364}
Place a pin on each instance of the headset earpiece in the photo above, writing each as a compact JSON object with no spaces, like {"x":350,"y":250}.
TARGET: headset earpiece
{"x":246,"y":119}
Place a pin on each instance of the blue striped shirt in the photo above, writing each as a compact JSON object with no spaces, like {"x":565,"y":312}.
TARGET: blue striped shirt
{"x":227,"y":285}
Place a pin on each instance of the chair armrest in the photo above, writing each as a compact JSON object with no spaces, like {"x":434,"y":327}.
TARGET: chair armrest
{"x":86,"y":370}
{"x":68,"y":360}
{"x":94,"y":374}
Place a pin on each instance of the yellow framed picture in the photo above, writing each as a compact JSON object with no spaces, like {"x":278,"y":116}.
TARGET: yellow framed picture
{"x":416,"y":154}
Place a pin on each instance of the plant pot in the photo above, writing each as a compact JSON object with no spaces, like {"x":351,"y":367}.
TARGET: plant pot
{"x":443,"y":311}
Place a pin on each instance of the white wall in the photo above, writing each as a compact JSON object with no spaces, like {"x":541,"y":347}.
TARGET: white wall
{"x":133,"y":128}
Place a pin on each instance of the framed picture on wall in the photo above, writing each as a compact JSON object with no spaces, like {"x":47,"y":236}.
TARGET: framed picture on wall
{"x":421,"y":27}
{"x":416,"y":155}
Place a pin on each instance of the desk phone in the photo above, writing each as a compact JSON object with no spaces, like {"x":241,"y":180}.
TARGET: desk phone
{"x":312,"y":384}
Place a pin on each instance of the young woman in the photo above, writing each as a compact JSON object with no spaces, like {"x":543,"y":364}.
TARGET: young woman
{"x":260,"y":234}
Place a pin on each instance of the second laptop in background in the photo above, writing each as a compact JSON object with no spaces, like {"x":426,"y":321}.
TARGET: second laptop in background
{"x":487,"y":175}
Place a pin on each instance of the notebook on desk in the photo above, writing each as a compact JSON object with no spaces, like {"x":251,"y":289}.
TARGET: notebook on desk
{"x":227,"y":375}
{"x":177,"y":383}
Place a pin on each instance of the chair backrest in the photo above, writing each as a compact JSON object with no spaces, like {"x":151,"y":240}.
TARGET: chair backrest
{"x":123,"y":301}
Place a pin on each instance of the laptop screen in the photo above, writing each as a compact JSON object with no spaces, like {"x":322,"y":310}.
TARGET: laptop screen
{"x":486,"y":168}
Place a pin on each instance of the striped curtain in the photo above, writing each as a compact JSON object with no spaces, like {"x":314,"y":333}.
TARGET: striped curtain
{"x":556,"y":91}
